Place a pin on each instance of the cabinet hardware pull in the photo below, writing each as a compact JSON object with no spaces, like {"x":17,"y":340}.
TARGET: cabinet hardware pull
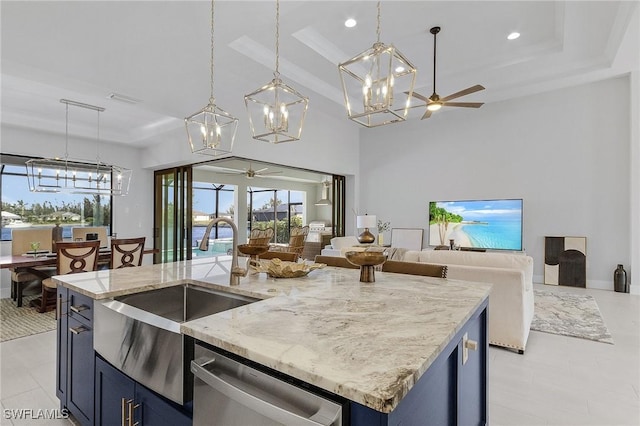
{"x":123,"y":414}
{"x":466,"y":345}
{"x":132,"y":412}
{"x":472,"y":344}
{"x":78,"y":309}
{"x":78,"y":330}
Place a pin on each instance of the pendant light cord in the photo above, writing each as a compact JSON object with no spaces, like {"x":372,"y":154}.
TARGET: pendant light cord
{"x":378,"y":27}
{"x":66,"y":133}
{"x":277,"y":72}
{"x":211,"y":99}
{"x":98,"y":143}
{"x":435,"y":34}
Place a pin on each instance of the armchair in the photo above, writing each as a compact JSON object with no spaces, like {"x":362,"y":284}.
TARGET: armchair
{"x":297,"y":239}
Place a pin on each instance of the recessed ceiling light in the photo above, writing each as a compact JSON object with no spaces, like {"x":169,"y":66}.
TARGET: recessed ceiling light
{"x":399,"y":69}
{"x":350,"y":23}
{"x":513,"y":36}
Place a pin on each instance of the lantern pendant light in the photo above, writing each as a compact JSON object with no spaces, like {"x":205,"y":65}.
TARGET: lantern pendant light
{"x":377,"y":84}
{"x":211,"y":130}
{"x":276,"y":110}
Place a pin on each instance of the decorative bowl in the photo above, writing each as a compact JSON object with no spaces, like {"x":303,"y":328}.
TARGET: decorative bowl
{"x":252,"y":250}
{"x":281,"y":269}
{"x":366,"y":260}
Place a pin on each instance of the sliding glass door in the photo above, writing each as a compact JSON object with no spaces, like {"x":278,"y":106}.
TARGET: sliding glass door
{"x":172,"y":216}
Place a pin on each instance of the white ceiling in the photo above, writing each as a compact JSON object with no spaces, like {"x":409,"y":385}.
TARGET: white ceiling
{"x":158,"y":52}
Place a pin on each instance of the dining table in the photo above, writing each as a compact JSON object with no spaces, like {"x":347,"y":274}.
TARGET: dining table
{"x":28,"y":260}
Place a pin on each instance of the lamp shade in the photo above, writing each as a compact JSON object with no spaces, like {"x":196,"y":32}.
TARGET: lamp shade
{"x":366,"y":221}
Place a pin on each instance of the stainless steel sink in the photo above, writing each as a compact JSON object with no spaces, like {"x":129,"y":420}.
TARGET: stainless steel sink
{"x":140,"y":334}
{"x":184,"y":303}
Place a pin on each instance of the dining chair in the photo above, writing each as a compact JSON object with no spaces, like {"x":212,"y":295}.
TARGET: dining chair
{"x":338,"y":261}
{"x":282,"y":255}
{"x":72,"y":257}
{"x":126,"y":252}
{"x":415,"y":268}
{"x":80,"y":233}
{"x":23,"y":278}
{"x":260,"y":237}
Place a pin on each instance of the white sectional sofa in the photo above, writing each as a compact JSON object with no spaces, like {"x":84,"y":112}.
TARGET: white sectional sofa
{"x":511,"y":299}
{"x":340,"y":245}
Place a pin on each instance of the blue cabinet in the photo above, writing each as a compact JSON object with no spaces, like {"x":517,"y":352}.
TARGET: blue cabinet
{"x":121,"y":400}
{"x":75,"y":357}
{"x":453,"y":391}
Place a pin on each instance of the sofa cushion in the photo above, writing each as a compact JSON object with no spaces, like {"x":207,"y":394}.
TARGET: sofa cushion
{"x":338,"y":243}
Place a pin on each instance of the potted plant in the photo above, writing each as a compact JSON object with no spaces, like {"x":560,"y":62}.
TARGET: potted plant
{"x":382,"y":227}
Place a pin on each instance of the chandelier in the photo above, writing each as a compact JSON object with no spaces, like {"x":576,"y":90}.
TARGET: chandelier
{"x":211,"y":130}
{"x":377,"y":84}
{"x":276,"y":110}
{"x":77,"y":176}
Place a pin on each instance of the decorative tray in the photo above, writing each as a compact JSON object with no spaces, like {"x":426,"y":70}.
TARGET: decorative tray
{"x":281,"y":269}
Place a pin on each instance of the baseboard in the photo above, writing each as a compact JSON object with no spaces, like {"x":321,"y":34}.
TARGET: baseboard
{"x":595,"y":284}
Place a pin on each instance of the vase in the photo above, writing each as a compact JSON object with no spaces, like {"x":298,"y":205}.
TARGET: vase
{"x":380,"y":239}
{"x":620,"y":280}
{"x":56,"y":235}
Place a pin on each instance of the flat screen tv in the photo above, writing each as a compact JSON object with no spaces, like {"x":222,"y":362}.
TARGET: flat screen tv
{"x":477,"y":224}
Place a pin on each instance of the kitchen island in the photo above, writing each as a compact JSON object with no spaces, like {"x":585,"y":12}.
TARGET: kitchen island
{"x":383,"y":346}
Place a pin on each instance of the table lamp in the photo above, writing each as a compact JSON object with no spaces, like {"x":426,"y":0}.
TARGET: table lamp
{"x":366,"y":222}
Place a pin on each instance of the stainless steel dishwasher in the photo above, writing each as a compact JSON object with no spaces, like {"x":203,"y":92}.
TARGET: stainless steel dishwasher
{"x":229,"y":393}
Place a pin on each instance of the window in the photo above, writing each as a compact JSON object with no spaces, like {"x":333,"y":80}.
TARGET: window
{"x":212,"y":200}
{"x":283,"y":205}
{"x":23,"y":208}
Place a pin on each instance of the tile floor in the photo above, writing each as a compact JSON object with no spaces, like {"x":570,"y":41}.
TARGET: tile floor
{"x":558,"y":381}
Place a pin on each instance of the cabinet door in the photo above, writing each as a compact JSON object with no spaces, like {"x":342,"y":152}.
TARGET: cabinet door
{"x":472,"y":375}
{"x":80,"y":370}
{"x":154,"y":410}
{"x":61,"y":348}
{"x":111,"y":387}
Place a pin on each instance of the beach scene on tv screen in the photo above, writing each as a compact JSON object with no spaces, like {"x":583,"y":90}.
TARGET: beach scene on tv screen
{"x":488,"y":224}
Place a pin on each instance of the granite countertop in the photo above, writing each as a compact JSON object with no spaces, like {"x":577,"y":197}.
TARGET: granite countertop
{"x":366,"y":342}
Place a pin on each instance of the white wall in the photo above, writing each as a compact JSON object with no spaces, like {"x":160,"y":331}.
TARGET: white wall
{"x":566,"y":153}
{"x":327,"y":145}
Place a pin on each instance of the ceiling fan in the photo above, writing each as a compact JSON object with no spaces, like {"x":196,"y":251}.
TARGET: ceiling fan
{"x":435,"y":102}
{"x":250,"y":173}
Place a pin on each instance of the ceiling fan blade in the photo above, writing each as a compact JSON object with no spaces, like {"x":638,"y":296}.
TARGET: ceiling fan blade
{"x":464,"y":92}
{"x":427,"y":114}
{"x":419,"y":96}
{"x":231,"y":173}
{"x":261,"y":170}
{"x":268,"y":173}
{"x":464,"y":104}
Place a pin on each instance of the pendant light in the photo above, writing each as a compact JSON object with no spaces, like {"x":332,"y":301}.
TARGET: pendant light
{"x":211,"y":130}
{"x":276,"y":110}
{"x":78,"y":176}
{"x":377,"y":84}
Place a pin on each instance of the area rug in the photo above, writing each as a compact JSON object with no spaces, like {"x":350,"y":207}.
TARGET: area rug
{"x":567,"y":314}
{"x":24,"y":321}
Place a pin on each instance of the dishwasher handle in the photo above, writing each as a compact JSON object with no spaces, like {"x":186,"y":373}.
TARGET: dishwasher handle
{"x":248,"y":400}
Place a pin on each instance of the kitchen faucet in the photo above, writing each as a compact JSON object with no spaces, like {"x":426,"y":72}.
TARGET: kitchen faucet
{"x":236,"y":271}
